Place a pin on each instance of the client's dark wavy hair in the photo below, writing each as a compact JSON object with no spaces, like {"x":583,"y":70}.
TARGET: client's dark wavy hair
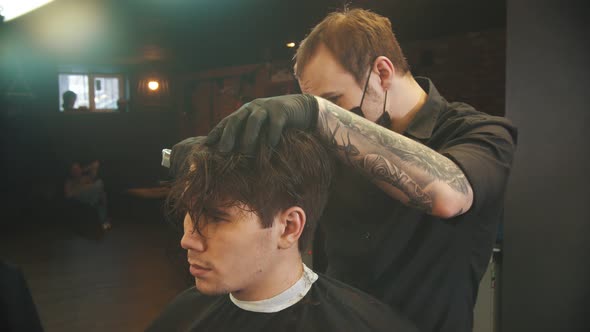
{"x":297,"y":172}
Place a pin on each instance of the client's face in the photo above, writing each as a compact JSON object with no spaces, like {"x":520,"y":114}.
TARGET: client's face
{"x":233,"y":253}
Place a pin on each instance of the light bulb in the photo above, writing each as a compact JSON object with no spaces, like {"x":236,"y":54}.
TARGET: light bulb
{"x":153,"y":85}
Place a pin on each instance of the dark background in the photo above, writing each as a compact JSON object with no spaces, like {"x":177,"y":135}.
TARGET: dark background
{"x":546,"y":251}
{"x":525,"y":59}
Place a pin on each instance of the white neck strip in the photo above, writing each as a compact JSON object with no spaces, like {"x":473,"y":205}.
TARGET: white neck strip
{"x":283,"y":300}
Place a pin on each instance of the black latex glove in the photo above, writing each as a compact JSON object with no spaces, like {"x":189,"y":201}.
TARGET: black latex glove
{"x":291,"y":111}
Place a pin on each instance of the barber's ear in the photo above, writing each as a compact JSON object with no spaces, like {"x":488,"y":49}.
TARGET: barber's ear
{"x":386,"y":71}
{"x":292,"y":222}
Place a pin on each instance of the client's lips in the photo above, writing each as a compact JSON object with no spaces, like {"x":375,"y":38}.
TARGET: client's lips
{"x":198,"y":270}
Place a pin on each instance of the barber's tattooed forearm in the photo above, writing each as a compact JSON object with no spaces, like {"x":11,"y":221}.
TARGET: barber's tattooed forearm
{"x":374,"y":165}
{"x":380,"y":168}
{"x":377,"y":157}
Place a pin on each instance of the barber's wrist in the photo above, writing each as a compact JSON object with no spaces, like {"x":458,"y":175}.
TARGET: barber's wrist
{"x":313,"y":105}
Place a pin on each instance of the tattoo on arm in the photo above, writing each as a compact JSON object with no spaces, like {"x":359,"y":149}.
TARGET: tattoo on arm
{"x":337,"y":126}
{"x":380,"y":168}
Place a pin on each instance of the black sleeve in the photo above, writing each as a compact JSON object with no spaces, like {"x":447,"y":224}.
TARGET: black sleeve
{"x":484,"y":152}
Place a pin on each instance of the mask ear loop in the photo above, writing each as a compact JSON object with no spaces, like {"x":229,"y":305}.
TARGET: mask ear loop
{"x":365,"y":89}
{"x":385,"y":102}
{"x":384,"y":120}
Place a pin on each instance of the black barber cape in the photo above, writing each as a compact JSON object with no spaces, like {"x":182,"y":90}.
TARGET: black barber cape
{"x":329,"y":305}
{"x":17,"y":309}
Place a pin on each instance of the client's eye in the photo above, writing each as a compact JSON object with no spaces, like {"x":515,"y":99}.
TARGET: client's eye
{"x":216,"y":218}
{"x":333,"y":99}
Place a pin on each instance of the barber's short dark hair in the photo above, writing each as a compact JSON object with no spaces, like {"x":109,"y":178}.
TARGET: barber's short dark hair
{"x":356,"y":37}
{"x":297,"y":172}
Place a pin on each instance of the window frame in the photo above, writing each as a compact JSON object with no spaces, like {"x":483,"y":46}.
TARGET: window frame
{"x":91,"y":79}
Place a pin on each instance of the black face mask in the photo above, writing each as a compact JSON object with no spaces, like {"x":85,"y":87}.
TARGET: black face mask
{"x":384,"y":120}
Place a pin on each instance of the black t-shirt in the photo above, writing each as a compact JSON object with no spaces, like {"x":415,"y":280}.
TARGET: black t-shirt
{"x":328,"y":306}
{"x":426,"y":267}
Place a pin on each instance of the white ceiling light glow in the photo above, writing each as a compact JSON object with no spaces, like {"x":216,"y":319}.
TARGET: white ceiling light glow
{"x":15,"y":8}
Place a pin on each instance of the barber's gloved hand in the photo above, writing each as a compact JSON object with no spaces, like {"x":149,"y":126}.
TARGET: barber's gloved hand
{"x":241,"y":129}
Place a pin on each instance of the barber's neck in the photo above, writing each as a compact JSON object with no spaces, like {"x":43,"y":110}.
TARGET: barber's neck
{"x":405,"y":98}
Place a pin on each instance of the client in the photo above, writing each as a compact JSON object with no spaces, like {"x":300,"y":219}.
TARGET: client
{"x":247,"y":219}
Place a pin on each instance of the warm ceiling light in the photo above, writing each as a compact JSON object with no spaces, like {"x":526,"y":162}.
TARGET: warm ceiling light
{"x":153,"y":85}
{"x":291,"y":44}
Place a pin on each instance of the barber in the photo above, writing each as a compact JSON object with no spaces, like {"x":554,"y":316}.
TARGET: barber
{"x":419,"y":189}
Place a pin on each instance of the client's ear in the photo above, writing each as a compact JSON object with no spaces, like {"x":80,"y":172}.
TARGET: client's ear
{"x":291,"y":222}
